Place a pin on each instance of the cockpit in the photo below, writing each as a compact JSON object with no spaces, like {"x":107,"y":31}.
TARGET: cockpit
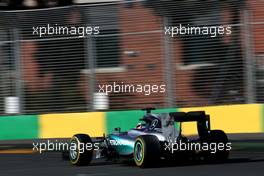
{"x":149,"y":122}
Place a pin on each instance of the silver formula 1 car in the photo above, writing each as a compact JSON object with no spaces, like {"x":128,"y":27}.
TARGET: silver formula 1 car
{"x":157,"y":137}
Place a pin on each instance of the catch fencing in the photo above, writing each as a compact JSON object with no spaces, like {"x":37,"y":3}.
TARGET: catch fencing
{"x":131,"y":55}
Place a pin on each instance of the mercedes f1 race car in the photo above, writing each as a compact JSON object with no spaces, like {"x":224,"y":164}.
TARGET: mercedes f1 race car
{"x":157,"y":137}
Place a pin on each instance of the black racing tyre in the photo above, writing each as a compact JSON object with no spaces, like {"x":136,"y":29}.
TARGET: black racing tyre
{"x":147,"y":151}
{"x":219,"y":155}
{"x":80,"y":156}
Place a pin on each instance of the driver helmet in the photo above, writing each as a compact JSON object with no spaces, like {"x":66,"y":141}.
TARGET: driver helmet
{"x":139,"y":126}
{"x":152,"y":121}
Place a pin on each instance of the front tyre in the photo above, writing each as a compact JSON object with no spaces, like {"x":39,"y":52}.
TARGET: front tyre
{"x":78,"y":153}
{"x":147,"y":151}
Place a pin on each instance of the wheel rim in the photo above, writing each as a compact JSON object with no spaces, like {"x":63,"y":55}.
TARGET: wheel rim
{"x":138,"y":151}
{"x":74,"y":150}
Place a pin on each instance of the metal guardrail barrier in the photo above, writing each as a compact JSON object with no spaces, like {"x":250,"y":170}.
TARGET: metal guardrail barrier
{"x":129,"y":54}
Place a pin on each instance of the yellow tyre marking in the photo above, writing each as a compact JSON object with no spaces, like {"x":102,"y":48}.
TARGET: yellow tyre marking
{"x":143,"y":150}
{"x":78,"y":153}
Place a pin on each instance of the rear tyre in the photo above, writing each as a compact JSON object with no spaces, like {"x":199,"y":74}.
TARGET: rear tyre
{"x":78,"y":154}
{"x":147,"y":151}
{"x":221,"y":153}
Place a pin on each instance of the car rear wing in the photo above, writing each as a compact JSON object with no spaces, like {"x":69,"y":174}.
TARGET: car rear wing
{"x":202,"y":119}
{"x":189,"y":116}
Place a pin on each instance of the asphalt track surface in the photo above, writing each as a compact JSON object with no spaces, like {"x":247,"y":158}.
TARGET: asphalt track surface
{"x":241,"y":163}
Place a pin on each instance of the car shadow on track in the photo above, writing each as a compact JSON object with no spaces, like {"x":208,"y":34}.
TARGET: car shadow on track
{"x":195,"y":163}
